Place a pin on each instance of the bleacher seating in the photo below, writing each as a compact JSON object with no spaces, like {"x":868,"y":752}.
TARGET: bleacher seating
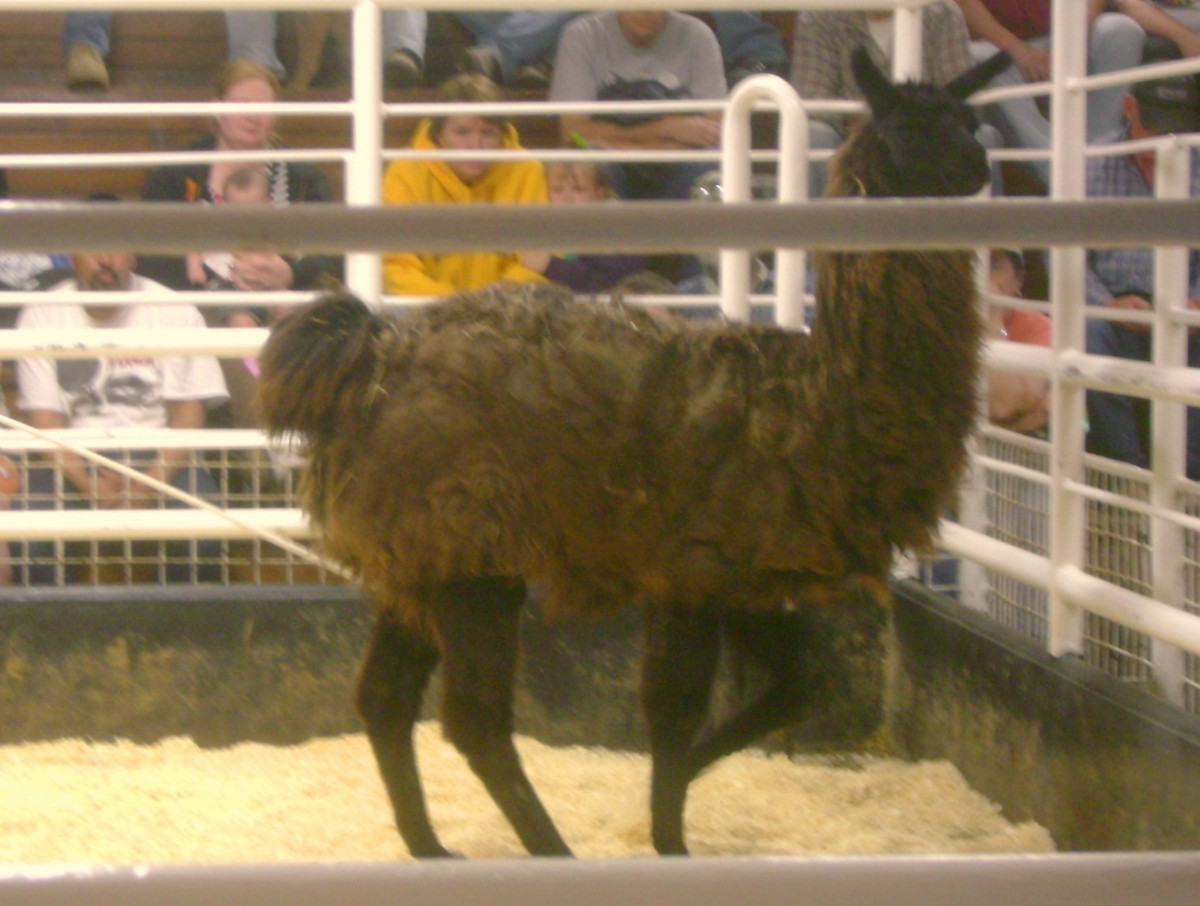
{"x":167,"y":56}
{"x":174,"y":56}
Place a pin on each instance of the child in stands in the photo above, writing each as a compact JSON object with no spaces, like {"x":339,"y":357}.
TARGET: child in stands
{"x":581,"y":182}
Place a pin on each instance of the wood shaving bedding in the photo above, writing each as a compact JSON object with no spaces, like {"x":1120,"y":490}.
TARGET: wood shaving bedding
{"x":174,"y":803}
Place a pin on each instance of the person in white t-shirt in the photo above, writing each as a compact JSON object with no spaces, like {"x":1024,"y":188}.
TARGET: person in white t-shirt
{"x":656,"y":55}
{"x":133,"y":391}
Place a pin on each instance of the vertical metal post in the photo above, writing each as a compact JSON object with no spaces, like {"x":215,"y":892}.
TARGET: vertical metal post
{"x":973,"y":492}
{"x":1169,"y":421}
{"x":906,"y":55}
{"x":1067,"y":293}
{"x":364,"y":176}
{"x":792,"y":187}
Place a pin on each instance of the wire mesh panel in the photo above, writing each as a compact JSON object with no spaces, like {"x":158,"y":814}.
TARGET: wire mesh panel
{"x":1118,"y":551}
{"x":1117,"y":548}
{"x":1190,"y":504}
{"x":1018,"y":514}
{"x":233,"y":479}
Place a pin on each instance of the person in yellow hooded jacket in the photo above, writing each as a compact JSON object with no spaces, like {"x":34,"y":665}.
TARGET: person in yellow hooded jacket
{"x":461,"y":182}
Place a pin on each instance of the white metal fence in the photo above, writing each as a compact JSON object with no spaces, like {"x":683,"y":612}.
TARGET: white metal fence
{"x":1085,"y":556}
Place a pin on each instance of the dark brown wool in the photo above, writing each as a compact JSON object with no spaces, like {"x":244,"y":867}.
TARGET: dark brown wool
{"x":518,"y":434}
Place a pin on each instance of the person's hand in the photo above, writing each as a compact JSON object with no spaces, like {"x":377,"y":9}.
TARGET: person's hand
{"x":1132,"y":302}
{"x":196,"y":274}
{"x":1032,"y":62}
{"x":111,"y":490}
{"x":241,"y":319}
{"x":696,"y":131}
{"x":261,"y":271}
{"x":535,"y":261}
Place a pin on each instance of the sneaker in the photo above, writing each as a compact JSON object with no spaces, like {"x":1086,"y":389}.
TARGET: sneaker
{"x":85,"y":68}
{"x":533,"y":76}
{"x":480,"y":60}
{"x":402,"y":69}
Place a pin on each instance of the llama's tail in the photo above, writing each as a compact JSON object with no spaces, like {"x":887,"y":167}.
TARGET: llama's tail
{"x":319,"y":365}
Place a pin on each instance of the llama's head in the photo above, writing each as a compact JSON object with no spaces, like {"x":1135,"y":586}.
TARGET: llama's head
{"x":924,"y":134}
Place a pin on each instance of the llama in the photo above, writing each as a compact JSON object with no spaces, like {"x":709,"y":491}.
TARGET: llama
{"x":725,"y":475}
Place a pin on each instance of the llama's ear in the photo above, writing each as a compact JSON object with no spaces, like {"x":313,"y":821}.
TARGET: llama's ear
{"x":977,"y":76}
{"x":880,"y":93}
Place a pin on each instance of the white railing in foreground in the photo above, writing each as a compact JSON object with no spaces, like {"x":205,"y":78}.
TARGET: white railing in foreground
{"x":1067,"y":223}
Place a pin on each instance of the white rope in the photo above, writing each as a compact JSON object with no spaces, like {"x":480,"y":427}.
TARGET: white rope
{"x":275,"y":538}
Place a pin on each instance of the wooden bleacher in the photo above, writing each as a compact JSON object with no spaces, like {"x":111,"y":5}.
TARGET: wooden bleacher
{"x":168,"y":56}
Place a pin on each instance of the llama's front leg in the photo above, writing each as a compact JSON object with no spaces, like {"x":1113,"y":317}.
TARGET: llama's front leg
{"x":477,"y":622}
{"x":390,"y":687}
{"x":680,"y":661}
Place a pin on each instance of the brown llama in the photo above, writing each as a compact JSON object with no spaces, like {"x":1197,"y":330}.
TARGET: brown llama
{"x":724,"y":475}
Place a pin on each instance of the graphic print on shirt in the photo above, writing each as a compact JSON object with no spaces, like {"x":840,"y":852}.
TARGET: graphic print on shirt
{"x":93,"y":387}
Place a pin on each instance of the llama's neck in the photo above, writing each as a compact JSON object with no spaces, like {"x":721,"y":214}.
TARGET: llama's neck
{"x":897,"y":342}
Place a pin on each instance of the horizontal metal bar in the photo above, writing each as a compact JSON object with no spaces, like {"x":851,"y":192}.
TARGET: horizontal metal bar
{"x":1022,"y":565}
{"x":50,"y":525}
{"x":157,"y":5}
{"x":1138,"y":612}
{"x":1098,"y":879}
{"x":140,"y":438}
{"x":1140,"y":379}
{"x":651,"y":226}
{"x":52,"y":343}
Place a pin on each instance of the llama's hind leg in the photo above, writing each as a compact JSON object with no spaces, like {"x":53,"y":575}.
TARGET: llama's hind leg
{"x":680,"y":661}
{"x":774,"y":640}
{"x":390,"y":687}
{"x":477,"y":622}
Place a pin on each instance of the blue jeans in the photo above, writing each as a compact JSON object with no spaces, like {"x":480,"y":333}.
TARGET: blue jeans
{"x":516,"y":39}
{"x":251,"y":35}
{"x":1119,"y":426}
{"x":747,"y":38}
{"x":188,"y":561}
{"x":92,"y":29}
{"x":1116,"y":42}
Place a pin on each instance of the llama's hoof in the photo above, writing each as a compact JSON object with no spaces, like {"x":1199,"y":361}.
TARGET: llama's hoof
{"x":438,"y":852}
{"x":669,"y":844}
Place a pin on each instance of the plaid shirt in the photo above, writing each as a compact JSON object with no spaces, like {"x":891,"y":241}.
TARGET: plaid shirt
{"x":1117,"y":271}
{"x":823,"y":42}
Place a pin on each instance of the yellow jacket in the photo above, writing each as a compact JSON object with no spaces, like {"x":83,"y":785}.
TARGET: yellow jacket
{"x":433,"y":182}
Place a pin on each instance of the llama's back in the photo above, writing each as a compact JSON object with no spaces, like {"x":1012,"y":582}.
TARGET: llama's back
{"x":500,"y":441}
{"x":606,"y":453}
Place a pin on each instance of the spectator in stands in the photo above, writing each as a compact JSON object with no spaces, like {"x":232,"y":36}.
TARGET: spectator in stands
{"x":1022,"y":28}
{"x":252,"y":35}
{"x":118,"y":392}
{"x":20,"y":270}
{"x":1018,"y":402}
{"x":1124,"y":278}
{"x":749,"y":45}
{"x":461,"y":181}
{"x":642,"y":56}
{"x":517,"y":48}
{"x":821,"y":49}
{"x":581,"y":182}
{"x":244,"y":81}
{"x":249,"y":184}
{"x":1155,"y":21}
{"x":87,"y":38}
